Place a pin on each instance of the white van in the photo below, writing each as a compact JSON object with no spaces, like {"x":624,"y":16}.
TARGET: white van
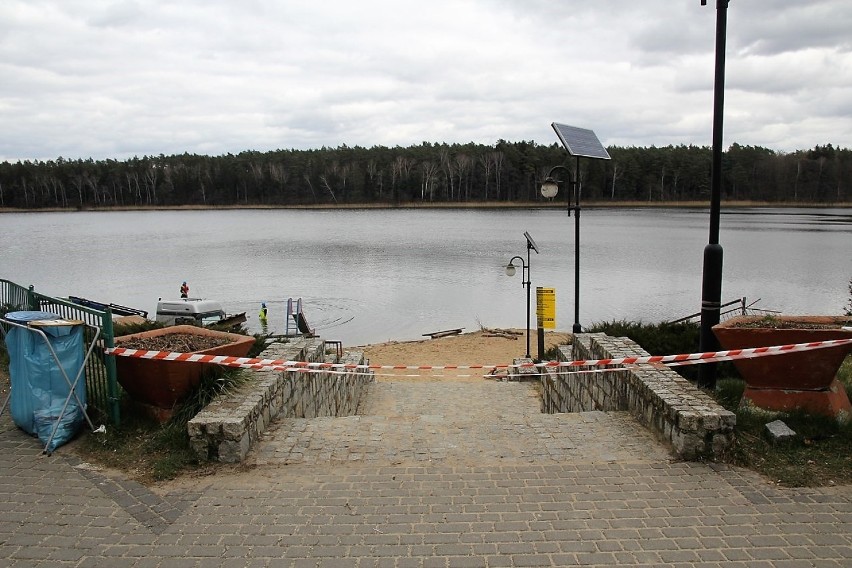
{"x":189,"y":311}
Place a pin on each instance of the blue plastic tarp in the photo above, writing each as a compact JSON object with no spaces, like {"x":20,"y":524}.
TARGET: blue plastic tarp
{"x":39,"y":389}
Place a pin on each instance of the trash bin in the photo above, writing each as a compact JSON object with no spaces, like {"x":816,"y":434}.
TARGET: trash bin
{"x":46,"y":355}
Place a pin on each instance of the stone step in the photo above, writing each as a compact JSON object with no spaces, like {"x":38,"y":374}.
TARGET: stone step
{"x":457,"y":423}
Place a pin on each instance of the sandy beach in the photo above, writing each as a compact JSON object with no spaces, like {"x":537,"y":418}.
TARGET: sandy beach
{"x":482,"y":347}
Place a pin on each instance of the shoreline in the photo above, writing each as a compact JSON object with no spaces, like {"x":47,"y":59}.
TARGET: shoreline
{"x":445,"y":205}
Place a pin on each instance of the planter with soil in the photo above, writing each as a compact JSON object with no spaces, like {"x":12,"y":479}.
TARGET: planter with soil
{"x":797,"y":380}
{"x":160,"y":386}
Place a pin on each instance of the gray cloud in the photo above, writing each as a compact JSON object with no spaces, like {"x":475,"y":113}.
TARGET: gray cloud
{"x":113,"y":79}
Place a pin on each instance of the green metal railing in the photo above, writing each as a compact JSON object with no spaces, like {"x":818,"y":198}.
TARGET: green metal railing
{"x":103,"y":395}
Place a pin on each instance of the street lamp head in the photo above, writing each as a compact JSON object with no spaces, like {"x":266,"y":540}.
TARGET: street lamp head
{"x":510,"y":269}
{"x":549,"y":188}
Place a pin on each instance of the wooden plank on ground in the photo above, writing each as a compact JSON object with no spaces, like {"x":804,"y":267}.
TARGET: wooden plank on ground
{"x":444,"y":333}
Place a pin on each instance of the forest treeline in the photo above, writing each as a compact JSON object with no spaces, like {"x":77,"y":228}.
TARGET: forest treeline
{"x":427,"y":173}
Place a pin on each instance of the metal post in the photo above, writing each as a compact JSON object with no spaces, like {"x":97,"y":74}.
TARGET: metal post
{"x":528,"y":267}
{"x":112,"y":395}
{"x":577,"y":328}
{"x":525,"y":281}
{"x":711,"y":287}
{"x":540,"y":343}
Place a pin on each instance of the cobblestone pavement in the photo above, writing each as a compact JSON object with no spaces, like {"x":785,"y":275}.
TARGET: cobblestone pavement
{"x":472,"y":423}
{"x":608,"y":496}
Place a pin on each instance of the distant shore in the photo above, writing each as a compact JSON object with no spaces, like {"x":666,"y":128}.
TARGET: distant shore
{"x":445,"y":205}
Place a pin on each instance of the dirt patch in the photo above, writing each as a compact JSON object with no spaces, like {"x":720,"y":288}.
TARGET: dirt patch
{"x":484,"y":347}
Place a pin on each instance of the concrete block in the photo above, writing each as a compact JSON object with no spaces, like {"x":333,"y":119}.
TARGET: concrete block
{"x":778,"y":432}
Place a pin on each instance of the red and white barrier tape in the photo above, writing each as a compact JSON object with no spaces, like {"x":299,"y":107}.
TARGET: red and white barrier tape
{"x":671,"y":360}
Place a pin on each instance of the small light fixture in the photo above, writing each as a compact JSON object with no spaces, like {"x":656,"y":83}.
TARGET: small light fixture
{"x":549,"y":188}
{"x":510,"y":269}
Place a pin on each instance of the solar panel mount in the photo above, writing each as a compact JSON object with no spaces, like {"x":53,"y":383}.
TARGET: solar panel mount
{"x":580,"y":142}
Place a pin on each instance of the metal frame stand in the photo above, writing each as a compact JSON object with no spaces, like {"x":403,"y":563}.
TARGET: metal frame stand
{"x":71,"y":384}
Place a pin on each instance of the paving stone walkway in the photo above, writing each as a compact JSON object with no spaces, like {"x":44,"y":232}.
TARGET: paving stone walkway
{"x":607,"y":496}
{"x":469,"y":422}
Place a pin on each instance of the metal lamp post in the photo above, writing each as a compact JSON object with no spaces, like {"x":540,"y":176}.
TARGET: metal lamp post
{"x":510,"y":271}
{"x":525,"y":273}
{"x":549,"y":189}
{"x":711,"y":283}
{"x":579,"y":142}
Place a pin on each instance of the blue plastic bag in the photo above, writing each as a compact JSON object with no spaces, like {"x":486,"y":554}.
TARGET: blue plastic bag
{"x":38,"y":388}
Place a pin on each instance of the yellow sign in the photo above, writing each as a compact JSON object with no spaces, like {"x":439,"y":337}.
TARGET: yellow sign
{"x":545,"y":309}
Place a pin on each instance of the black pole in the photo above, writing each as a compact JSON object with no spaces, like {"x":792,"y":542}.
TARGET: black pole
{"x":525,"y":273}
{"x":529,"y":246}
{"x":540,"y":343}
{"x":711,"y":285}
{"x":577,"y":328}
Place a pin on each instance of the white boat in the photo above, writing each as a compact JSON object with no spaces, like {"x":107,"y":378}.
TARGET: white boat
{"x":195,"y":311}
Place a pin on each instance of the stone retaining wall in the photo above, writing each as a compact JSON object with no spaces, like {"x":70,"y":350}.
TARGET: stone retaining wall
{"x":694,"y":424}
{"x":226,"y":429}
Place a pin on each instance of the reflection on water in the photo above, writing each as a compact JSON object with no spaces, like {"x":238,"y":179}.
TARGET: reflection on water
{"x":373,"y":275}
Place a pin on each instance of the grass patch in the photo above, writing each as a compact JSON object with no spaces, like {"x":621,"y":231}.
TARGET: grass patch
{"x":664,"y":339}
{"x":140,"y":448}
{"x":821,"y":453}
{"x":149,"y":451}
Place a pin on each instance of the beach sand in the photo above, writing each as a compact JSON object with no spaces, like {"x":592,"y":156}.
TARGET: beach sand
{"x":483,"y":347}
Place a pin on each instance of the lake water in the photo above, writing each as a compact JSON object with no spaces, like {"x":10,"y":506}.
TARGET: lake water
{"x":367,"y":276}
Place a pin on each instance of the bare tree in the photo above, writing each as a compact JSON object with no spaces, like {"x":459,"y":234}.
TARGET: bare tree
{"x":343,"y":171}
{"x":497,"y":160}
{"x":463,"y":165}
{"x":278,"y":174}
{"x":372,"y":171}
{"x":133,"y":187}
{"x":90,"y":183}
{"x":430,"y":176}
{"x":449,"y":171}
{"x":325,"y":183}
{"x":675,"y":181}
{"x":401,"y":169}
{"x":202,"y":173}
{"x":311,"y":186}
{"x":487,"y":165}
{"x":616,"y":174}
{"x":150,"y":180}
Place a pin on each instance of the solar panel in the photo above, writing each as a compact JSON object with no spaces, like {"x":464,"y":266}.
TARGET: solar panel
{"x":580,"y":142}
{"x":531,"y":242}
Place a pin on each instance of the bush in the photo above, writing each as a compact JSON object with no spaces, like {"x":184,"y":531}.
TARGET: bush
{"x":665,"y":339}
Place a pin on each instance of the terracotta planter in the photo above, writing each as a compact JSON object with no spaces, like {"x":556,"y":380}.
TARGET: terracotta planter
{"x":802,"y":379}
{"x":162,"y":385}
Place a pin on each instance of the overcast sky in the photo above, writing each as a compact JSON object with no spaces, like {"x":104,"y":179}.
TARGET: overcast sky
{"x":117,"y":79}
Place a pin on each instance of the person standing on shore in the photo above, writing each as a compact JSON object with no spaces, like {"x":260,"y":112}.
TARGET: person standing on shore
{"x":184,"y":290}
